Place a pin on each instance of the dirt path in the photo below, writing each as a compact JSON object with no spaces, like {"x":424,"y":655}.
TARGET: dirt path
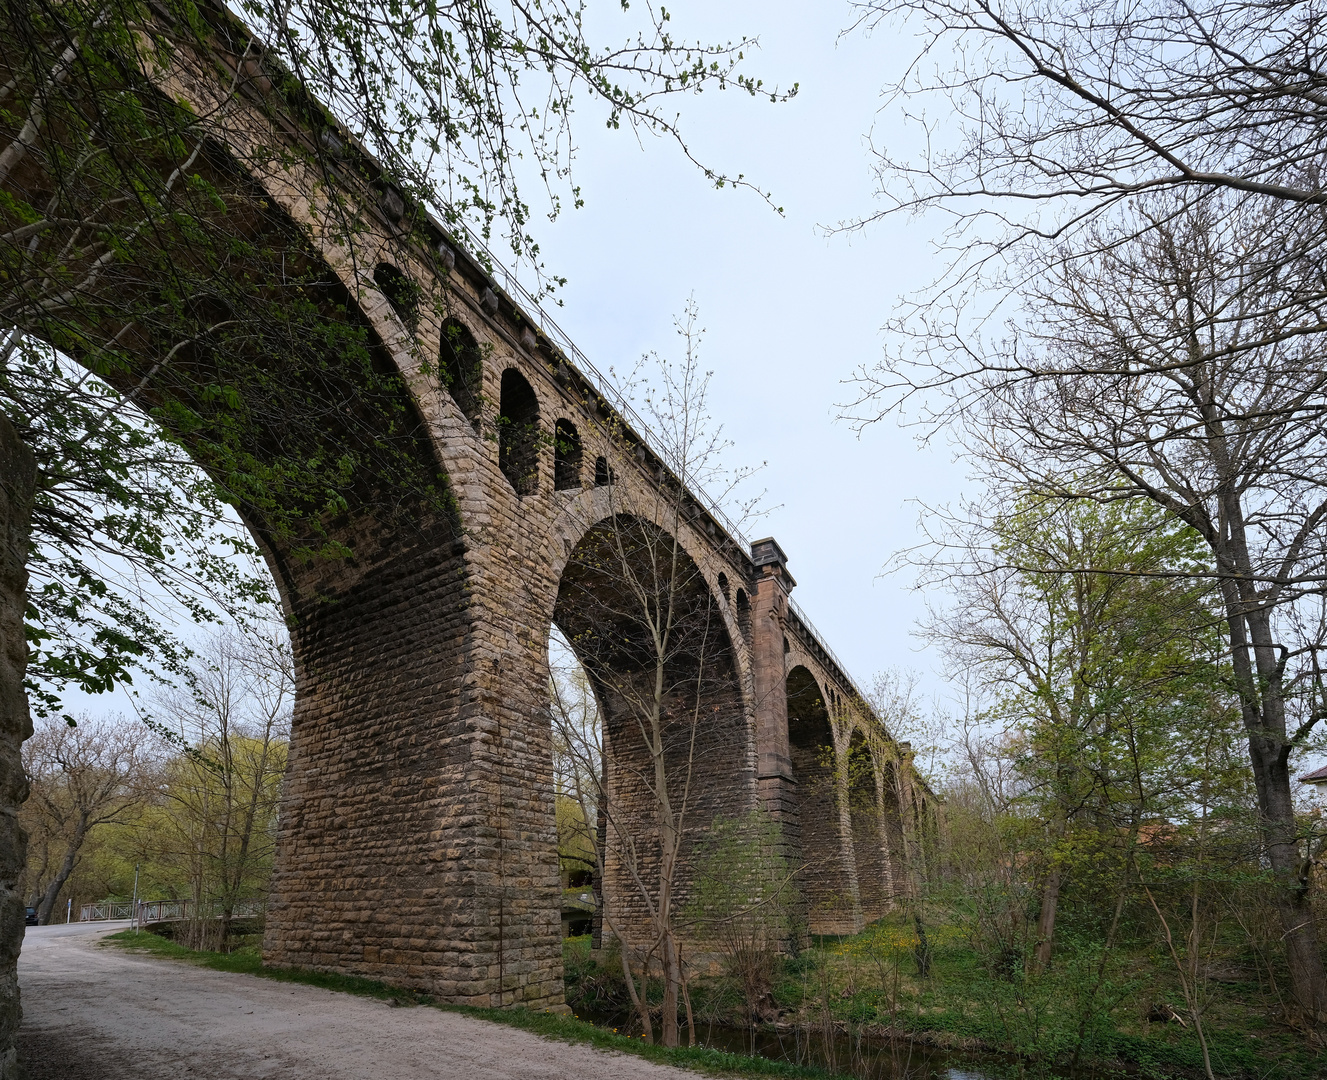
{"x":93,"y":1012}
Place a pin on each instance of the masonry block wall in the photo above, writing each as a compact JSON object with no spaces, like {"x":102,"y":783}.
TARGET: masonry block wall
{"x":417,"y":836}
{"x":383,"y":866}
{"x":870,"y":859}
{"x":716,"y":782}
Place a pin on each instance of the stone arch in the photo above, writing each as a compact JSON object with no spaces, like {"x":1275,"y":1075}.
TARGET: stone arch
{"x":461,"y":369}
{"x":868,"y":838}
{"x":892,"y":811}
{"x":567,"y":456}
{"x":370,"y":564}
{"x":518,"y":433}
{"x":826,"y":887}
{"x":704,"y":729}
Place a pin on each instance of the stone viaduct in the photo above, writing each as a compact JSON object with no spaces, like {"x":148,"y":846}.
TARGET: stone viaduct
{"x":417,"y":841}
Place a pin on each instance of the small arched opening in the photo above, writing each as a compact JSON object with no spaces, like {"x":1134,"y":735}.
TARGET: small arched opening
{"x":603,"y":475}
{"x":401,"y":292}
{"x":566,"y":456}
{"x":828,"y":892}
{"x":461,"y":368}
{"x":743,"y":614}
{"x":518,"y":433}
{"x":868,"y":836}
{"x":723,"y":587}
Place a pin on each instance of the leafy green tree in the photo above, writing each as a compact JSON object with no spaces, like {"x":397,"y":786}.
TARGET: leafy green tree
{"x":127,"y":532}
{"x":84,"y":778}
{"x":213,"y":827}
{"x":1100,"y":647}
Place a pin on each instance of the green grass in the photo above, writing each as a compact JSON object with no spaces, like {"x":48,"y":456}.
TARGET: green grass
{"x":870,"y":982}
{"x":959,"y":1001}
{"x":247,"y":961}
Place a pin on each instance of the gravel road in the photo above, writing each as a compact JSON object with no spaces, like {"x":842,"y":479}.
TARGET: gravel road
{"x":94,"y":1012}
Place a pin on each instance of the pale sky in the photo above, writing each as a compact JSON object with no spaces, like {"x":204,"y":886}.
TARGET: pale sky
{"x":789,"y":308}
{"x":790,"y":311}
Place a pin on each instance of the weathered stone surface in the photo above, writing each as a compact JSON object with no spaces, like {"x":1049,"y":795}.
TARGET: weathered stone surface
{"x":417,"y":840}
{"x":17,"y":482}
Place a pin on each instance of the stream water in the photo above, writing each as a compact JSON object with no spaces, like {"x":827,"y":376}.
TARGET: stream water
{"x":860,"y":1057}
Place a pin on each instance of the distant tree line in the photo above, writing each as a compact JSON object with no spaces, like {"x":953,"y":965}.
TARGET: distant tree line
{"x":183,"y":808}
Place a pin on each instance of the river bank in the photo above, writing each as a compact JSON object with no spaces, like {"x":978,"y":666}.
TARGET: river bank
{"x":1082,"y":1018}
{"x":827,"y":1019}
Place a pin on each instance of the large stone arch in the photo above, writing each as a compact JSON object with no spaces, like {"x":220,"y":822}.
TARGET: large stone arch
{"x":393,"y":858}
{"x":576,"y":513}
{"x":417,"y":836}
{"x":868,"y":836}
{"x":707,"y":732}
{"x":827,"y":877}
{"x":415,"y":812}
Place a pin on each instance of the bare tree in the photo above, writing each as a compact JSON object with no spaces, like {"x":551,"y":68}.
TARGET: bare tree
{"x":1139,"y":190}
{"x":1056,"y":115}
{"x":1156,"y":370}
{"x":82,"y":779}
{"x":220,"y":795}
{"x":648,"y":630}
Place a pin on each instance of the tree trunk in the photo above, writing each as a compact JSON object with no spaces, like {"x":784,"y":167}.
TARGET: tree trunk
{"x":1263,"y":709}
{"x":672,"y":973}
{"x":1308,"y":981}
{"x":1050,"y":903}
{"x":639,"y":1001}
{"x":600,"y":846}
{"x":57,"y":883}
{"x":922,"y":952}
{"x":18,"y":479}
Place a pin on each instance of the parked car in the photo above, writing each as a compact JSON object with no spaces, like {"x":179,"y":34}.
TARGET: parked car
{"x":30,"y":916}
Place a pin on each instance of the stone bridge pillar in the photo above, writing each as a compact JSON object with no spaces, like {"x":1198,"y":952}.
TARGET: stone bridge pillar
{"x":769,"y":614}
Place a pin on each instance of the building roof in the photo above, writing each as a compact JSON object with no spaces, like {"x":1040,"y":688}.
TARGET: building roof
{"x":1317,"y":776}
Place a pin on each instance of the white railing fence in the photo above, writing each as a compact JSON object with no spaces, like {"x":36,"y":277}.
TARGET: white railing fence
{"x":150,"y":911}
{"x":609,"y":390}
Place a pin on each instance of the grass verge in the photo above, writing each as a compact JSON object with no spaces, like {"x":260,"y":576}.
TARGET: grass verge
{"x":569,"y":1029}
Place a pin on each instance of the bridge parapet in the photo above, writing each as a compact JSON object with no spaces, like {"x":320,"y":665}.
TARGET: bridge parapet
{"x":417,"y":837}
